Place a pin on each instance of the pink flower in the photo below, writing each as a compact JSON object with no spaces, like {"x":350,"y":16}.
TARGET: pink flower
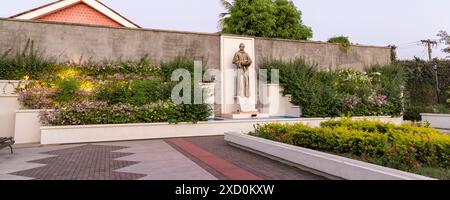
{"x":118,"y":76}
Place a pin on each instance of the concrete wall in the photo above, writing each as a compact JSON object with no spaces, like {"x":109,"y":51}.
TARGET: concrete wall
{"x":69,"y":42}
{"x":326,"y":56}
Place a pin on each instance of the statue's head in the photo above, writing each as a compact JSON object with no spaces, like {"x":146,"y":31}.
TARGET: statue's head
{"x":242,"y":46}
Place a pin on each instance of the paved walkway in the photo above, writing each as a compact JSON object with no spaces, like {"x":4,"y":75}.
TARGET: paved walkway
{"x":197,"y":158}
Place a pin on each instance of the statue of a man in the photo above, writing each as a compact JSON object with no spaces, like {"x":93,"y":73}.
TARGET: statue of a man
{"x":242,"y":61}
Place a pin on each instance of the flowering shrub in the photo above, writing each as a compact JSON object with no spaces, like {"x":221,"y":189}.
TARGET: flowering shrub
{"x":378,"y":100}
{"x":377,"y":91}
{"x":37,"y":98}
{"x":98,"y":112}
{"x":351,"y":101}
{"x":352,"y":82}
{"x":406,"y":147}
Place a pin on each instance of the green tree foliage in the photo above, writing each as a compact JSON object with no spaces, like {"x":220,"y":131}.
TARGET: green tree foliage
{"x":289,"y":23}
{"x":264,"y":18}
{"x":445,"y":38}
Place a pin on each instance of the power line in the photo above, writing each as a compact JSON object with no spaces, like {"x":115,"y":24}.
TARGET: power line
{"x":409,"y":43}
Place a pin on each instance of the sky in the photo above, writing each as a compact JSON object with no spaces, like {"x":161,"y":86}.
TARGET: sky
{"x":381,"y":23}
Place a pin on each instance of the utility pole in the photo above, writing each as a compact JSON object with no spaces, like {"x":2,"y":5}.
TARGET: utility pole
{"x":430,"y":44}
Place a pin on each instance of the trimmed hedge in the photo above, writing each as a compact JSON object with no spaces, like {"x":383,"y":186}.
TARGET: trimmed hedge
{"x":405,"y":147}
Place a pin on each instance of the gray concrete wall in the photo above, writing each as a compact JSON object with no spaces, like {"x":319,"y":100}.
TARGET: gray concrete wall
{"x":325,"y":55}
{"x":70,"y":42}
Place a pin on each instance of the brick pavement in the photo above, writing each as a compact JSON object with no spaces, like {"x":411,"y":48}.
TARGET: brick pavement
{"x":88,"y":162}
{"x":196,"y":158}
{"x":258,"y":165}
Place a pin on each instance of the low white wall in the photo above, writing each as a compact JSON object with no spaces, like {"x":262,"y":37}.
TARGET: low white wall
{"x":8,"y":106}
{"x":27,"y":127}
{"x":440,"y":121}
{"x":333,"y":165}
{"x":101,"y":133}
{"x":275,"y":104}
{"x":8,"y":87}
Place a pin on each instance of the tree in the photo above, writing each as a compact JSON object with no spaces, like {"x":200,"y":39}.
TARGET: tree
{"x":445,"y":38}
{"x":263,"y":18}
{"x":289,"y":23}
{"x":227,"y":5}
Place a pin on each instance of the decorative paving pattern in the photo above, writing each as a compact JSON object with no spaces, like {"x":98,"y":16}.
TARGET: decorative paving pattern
{"x":258,"y":165}
{"x":224,"y":167}
{"x":196,"y":158}
{"x":159,"y":161}
{"x":88,"y":162}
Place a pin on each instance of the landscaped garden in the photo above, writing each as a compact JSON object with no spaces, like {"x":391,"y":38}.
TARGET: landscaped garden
{"x":376,"y":91}
{"x":416,"y":149}
{"x":405,"y":88}
{"x":99,"y":93}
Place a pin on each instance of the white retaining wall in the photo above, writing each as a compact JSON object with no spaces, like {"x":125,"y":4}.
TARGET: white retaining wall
{"x":118,"y":132}
{"x":27,"y":127}
{"x":8,"y":107}
{"x":440,"y":121}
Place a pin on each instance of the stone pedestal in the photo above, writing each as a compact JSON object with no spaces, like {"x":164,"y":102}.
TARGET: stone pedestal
{"x":246,"y":115}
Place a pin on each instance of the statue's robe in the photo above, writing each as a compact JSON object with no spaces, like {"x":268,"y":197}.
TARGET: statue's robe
{"x":242,"y":61}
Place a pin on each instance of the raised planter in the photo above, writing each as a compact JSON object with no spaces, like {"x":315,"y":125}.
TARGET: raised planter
{"x":440,"y":121}
{"x":8,"y":105}
{"x":8,"y":87}
{"x":27,"y":127}
{"x":324,"y":163}
{"x":102,"y":133}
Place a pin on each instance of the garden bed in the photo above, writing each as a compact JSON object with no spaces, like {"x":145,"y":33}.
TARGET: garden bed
{"x":317,"y":162}
{"x":414,"y":149}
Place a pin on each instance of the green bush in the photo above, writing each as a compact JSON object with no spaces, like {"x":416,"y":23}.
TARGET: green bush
{"x":404,"y":147}
{"x":141,"y":69}
{"x":68,"y":91}
{"x":378,"y":91}
{"x":343,"y":41}
{"x":167,"y":68}
{"x":28,"y":63}
{"x":134,"y":92}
